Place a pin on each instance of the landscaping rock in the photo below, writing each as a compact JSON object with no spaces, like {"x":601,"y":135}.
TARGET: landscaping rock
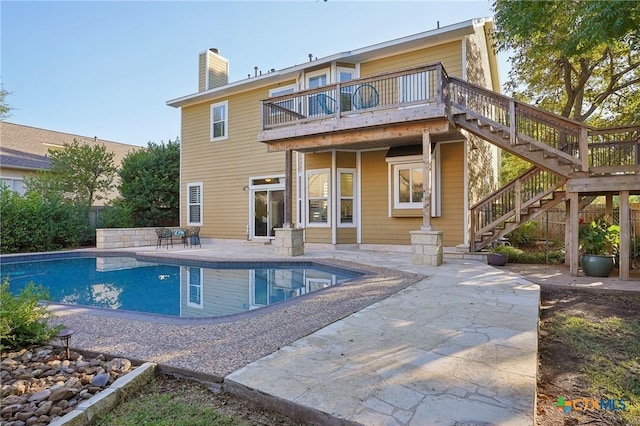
{"x":100,"y":380}
{"x":39,"y":384}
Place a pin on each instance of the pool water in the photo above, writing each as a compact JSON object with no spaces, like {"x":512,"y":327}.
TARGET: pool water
{"x":180,"y":290}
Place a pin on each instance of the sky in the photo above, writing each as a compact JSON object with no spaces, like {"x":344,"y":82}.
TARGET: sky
{"x":107,"y":68}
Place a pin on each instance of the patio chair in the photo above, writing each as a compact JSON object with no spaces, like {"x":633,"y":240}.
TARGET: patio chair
{"x":166,"y":235}
{"x":326,"y":103}
{"x":365,"y":96}
{"x":192,"y":236}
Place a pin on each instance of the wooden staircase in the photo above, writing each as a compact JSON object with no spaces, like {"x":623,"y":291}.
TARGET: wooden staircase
{"x":559,"y":148}
{"x":526,"y":197}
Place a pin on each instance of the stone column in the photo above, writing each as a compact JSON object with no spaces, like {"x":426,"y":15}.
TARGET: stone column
{"x":289,"y":242}
{"x":426,"y":244}
{"x":426,"y":248}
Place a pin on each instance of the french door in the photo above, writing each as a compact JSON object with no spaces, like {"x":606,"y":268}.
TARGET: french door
{"x":268,"y":212}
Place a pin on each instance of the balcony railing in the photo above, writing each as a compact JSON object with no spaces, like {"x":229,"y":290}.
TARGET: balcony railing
{"x":417,"y":86}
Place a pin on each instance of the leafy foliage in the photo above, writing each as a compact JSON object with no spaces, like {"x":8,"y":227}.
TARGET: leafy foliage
{"x":599,"y":237}
{"x":150,"y":184}
{"x":85,"y":172}
{"x":23,"y":319}
{"x":116,"y":214}
{"x":516,"y":255}
{"x":511,"y":167}
{"x":578,"y":58}
{"x":525,"y":235}
{"x":5,"y":109}
{"x":41,"y":222}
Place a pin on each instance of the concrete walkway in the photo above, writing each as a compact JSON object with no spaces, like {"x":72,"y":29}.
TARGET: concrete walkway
{"x":459,"y":347}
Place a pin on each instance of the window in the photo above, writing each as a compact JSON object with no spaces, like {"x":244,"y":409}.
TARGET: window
{"x":219,"y":121}
{"x":195,"y":287}
{"x":408,"y":187}
{"x":318,"y":197}
{"x":406,"y":183}
{"x":346,"y":194}
{"x":346,"y":92}
{"x":287,"y":104}
{"x":317,"y":103}
{"x":194,"y":204}
{"x":14,"y":184}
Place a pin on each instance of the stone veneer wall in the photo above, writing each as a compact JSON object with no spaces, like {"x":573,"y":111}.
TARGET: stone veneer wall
{"x":125,"y":237}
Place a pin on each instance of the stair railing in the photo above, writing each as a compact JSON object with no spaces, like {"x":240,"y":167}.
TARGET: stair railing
{"x":525,"y":124}
{"x":510,"y":203}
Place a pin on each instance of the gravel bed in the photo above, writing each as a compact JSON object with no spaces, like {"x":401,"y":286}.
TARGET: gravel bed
{"x":211,"y":349}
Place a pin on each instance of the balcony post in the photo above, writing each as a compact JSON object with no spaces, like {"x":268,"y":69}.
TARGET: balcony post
{"x":572,"y":232}
{"x":583,"y":148}
{"x":625,"y":236}
{"x":426,"y":181}
{"x":426,"y":244}
{"x":289,"y":240}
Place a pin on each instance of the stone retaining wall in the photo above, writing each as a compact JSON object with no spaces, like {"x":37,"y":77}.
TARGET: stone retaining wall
{"x":125,"y":237}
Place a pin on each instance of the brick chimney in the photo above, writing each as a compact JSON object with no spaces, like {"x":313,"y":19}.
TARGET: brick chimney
{"x":213,"y":70}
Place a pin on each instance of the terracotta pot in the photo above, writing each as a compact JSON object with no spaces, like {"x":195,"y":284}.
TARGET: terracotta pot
{"x":595,"y":265}
{"x":497,"y":259}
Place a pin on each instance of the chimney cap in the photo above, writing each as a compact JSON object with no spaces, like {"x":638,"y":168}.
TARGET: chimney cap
{"x":214,"y":50}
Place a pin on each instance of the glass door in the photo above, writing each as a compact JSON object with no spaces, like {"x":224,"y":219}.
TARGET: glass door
{"x":268,"y":212}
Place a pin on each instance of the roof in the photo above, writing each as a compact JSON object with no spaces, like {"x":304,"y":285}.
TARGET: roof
{"x":25,"y":147}
{"x":435,"y":36}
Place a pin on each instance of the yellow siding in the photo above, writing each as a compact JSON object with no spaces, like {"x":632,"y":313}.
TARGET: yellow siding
{"x":450,"y":54}
{"x":452,"y":185}
{"x":218,"y":71}
{"x":346,"y":160}
{"x":226,"y":166}
{"x":202,"y":69}
{"x":378,"y":228}
{"x":317,"y":235}
{"x":346,"y":236}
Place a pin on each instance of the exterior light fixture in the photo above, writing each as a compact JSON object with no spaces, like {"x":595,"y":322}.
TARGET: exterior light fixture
{"x":64,"y":337}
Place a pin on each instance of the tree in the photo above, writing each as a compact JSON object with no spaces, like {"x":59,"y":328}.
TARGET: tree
{"x":578,"y":58}
{"x":5,"y":109}
{"x":150,"y":184}
{"x":85,"y":172}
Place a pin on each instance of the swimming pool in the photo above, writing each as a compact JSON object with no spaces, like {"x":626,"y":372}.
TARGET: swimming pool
{"x":176,"y":288}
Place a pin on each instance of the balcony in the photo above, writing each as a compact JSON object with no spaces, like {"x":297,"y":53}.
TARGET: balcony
{"x":380,"y":104}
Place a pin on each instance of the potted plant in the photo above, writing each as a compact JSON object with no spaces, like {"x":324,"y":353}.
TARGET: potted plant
{"x":496,"y":257}
{"x":599,"y":242}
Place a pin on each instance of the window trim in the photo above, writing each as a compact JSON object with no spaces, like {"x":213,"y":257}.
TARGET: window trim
{"x":225,"y":121}
{"x":353,"y":197}
{"x":436,"y":182}
{"x":189,"y":204}
{"x":326,"y":224}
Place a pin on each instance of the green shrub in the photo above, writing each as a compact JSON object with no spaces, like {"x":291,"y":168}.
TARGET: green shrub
{"x":555,"y":257}
{"x":116,"y":215}
{"x":23,"y":318}
{"x":525,"y":235}
{"x":36,"y":222}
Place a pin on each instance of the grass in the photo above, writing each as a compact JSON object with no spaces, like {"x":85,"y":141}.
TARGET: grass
{"x":156,"y":407}
{"x":608,"y":354}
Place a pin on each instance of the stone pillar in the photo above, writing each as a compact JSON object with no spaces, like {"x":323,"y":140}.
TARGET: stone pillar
{"x":289,"y":242}
{"x":426,"y":248}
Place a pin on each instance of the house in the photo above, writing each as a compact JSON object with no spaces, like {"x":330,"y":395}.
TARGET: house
{"x":25,"y":150}
{"x":395,"y":144}
{"x":359,"y":185}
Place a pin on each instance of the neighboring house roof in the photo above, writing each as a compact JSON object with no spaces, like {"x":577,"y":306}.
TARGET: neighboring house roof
{"x":436,"y":36}
{"x":25,"y":147}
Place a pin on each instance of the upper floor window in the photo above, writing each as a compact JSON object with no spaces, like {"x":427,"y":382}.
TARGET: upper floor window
{"x":219,"y":121}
